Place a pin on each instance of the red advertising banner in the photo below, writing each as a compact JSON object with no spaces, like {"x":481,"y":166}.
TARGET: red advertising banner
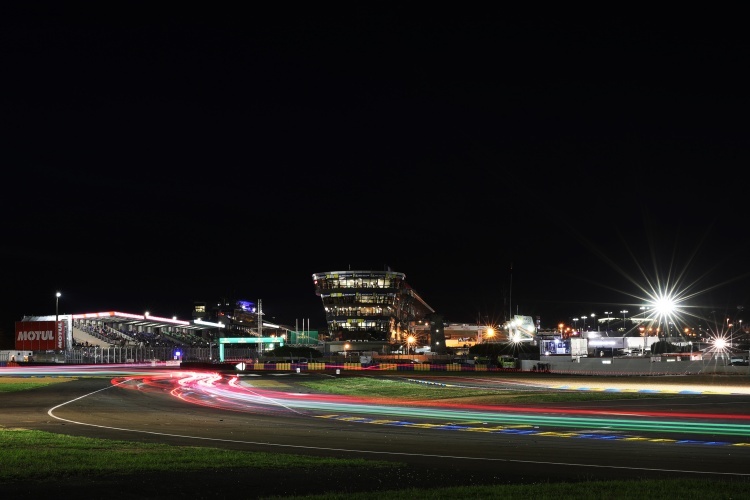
{"x":40,"y":335}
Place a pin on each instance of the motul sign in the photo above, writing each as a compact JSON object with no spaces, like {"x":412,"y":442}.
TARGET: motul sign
{"x":60,"y":336}
{"x":40,"y":335}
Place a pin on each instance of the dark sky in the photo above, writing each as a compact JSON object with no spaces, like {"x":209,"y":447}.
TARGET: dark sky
{"x":155,"y":156}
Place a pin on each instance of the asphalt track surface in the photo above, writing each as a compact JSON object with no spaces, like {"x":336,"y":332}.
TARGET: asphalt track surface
{"x":563,"y":442}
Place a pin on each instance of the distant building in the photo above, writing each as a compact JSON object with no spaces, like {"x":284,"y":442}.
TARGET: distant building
{"x":456,"y":337}
{"x":375,"y":307}
{"x":238,"y":318}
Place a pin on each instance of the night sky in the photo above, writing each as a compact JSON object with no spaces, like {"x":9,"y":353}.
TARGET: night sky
{"x":505,"y":163}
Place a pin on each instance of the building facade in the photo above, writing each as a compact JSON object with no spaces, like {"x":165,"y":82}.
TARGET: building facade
{"x":369,"y":306}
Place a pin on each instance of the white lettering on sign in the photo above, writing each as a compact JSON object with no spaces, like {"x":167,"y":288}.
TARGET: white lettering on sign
{"x":60,"y":335}
{"x":36,"y":335}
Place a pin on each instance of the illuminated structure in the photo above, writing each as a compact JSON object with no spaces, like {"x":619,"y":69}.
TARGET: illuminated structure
{"x":238,"y":318}
{"x":374,"y":306}
{"x":521,"y":329}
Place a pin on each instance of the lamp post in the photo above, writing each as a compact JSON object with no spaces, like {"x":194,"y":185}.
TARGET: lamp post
{"x":739,"y":311}
{"x":57,"y":315}
{"x":731,"y":335}
{"x":624,"y":325}
{"x":592,"y":319}
{"x":740,"y":328}
{"x":575,"y":323}
{"x":607,"y":313}
{"x":642,"y":330}
{"x":584,"y":322}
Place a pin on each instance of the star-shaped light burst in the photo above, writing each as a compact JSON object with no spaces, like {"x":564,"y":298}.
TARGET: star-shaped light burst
{"x":666,"y":304}
{"x":665,"y":309}
{"x":720,"y":342}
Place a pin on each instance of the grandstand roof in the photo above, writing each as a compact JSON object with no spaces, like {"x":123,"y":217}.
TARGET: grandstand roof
{"x":130,"y":321}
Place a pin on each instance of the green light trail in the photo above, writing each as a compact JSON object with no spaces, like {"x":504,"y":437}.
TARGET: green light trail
{"x":454,"y":416}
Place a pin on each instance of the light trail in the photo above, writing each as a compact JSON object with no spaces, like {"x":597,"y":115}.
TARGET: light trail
{"x":208,"y":389}
{"x":215,"y":390}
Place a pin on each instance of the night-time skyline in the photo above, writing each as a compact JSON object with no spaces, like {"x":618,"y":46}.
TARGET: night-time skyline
{"x":159,"y":157}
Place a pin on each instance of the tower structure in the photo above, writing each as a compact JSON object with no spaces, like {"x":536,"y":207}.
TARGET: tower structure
{"x":369,"y":305}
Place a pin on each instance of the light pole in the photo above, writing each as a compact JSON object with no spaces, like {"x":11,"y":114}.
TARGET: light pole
{"x":731,"y":334}
{"x":739,"y":311}
{"x":575,"y":323}
{"x":624,"y":325}
{"x":592,"y":319}
{"x":740,"y":329}
{"x":584,"y":322}
{"x":57,"y":315}
{"x":607,"y":313}
{"x":642,"y":329}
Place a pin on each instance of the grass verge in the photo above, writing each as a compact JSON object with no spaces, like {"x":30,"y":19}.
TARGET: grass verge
{"x":404,"y":390}
{"x":29,"y":455}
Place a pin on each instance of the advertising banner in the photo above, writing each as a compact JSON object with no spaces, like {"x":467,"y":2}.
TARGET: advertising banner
{"x":39,"y":335}
{"x":60,"y":335}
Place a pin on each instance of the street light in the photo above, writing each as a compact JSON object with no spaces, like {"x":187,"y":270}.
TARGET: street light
{"x":490,"y":332}
{"x":584,"y":322}
{"x":740,"y":322}
{"x":575,"y":323}
{"x":731,"y":335}
{"x":592,"y":319}
{"x":624,"y":325}
{"x":607,"y":313}
{"x":642,"y":329}
{"x":57,"y":316}
{"x":739,"y":311}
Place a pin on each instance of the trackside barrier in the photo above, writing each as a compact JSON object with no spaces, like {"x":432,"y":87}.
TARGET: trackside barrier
{"x":322,"y":365}
{"x":583,"y":365}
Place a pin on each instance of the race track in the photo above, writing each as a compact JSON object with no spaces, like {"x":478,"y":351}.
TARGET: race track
{"x":698,"y":431}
